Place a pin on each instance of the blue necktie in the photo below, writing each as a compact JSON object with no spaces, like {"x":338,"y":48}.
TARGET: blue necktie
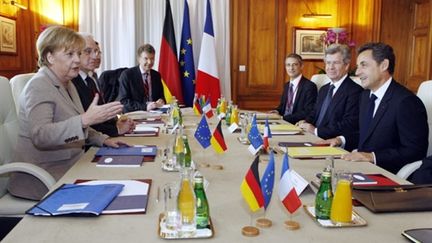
{"x":325,"y":105}
{"x":364,"y":126}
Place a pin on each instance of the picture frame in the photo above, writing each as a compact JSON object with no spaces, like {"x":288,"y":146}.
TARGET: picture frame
{"x":308,"y":43}
{"x":8,"y":43}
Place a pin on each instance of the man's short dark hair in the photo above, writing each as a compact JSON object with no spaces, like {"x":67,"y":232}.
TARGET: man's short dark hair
{"x":380,"y":52}
{"x":295,"y":56}
{"x":145,"y":48}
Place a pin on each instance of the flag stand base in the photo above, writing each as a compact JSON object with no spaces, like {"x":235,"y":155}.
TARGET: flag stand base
{"x":264,"y":223}
{"x":204,"y":165}
{"x":250,"y":231}
{"x":292,"y":225}
{"x":217,"y":167}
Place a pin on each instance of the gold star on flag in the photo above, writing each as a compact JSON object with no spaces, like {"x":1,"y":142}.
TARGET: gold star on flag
{"x":182,"y":63}
{"x":189,"y":41}
{"x":186,"y":74}
{"x":193,"y":81}
{"x":183,"y":51}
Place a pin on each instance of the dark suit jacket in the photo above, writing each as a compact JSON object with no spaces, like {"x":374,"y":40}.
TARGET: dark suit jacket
{"x":109,"y":84}
{"x":131,"y":92}
{"x":304,"y":101}
{"x":342,"y":115}
{"x":424,"y":174}
{"x":86,"y":96}
{"x":398,"y":134}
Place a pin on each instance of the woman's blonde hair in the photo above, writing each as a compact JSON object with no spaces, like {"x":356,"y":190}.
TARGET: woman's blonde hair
{"x":55,"y":38}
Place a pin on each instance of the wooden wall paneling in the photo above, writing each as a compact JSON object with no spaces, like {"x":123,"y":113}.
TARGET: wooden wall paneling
{"x":28,"y":23}
{"x":259,"y":44}
{"x":420,"y":45}
{"x":295,"y":11}
{"x":395,"y":25}
{"x":366,"y":21}
{"x":11,"y":64}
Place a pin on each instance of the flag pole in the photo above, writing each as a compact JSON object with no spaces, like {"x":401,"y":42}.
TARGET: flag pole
{"x":250,"y":230}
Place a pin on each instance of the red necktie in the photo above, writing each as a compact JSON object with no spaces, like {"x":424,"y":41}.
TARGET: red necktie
{"x":146,"y":85}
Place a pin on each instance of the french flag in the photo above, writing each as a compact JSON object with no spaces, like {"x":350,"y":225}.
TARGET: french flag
{"x":266,"y":135}
{"x":207,"y":82}
{"x":287,"y":192}
{"x":207,"y":109}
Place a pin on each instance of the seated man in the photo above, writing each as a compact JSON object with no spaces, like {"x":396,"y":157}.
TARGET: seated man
{"x":393,"y":121}
{"x":299,"y":94}
{"x":141,"y":86}
{"x":336,"y":109}
{"x":87,"y":87}
{"x":424,"y":174}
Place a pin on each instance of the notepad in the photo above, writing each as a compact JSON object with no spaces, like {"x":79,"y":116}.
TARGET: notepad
{"x":132,"y":151}
{"x":134,"y":115}
{"x":77,"y":199}
{"x":315,"y":152}
{"x":281,"y":129}
{"x":144,"y":130}
{"x":132,"y":199}
{"x":301,"y":144}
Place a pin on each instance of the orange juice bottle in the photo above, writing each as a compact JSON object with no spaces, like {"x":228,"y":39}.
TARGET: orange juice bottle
{"x":186,"y":203}
{"x":341,"y":210}
{"x":234,"y":115}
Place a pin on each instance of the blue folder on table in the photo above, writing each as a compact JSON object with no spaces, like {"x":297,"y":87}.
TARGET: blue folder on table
{"x":128,"y":151}
{"x":77,"y":199}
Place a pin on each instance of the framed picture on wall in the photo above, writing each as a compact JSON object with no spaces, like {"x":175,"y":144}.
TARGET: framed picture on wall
{"x":308,"y":43}
{"x":8,"y":43}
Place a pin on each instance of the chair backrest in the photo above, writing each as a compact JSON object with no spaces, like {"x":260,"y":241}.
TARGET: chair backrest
{"x":424,"y":93}
{"x":18,"y":83}
{"x":8,"y":127}
{"x":320,"y":80}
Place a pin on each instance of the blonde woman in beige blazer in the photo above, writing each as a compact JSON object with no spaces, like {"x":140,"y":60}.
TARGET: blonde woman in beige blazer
{"x":53,"y":127}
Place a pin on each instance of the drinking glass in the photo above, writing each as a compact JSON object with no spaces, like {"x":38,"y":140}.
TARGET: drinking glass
{"x":172,"y":214}
{"x":341,"y":210}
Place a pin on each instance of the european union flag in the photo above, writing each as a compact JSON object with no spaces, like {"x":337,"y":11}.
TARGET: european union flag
{"x":267,"y":181}
{"x":202,"y":134}
{"x":187,"y":66}
{"x":254,"y":136}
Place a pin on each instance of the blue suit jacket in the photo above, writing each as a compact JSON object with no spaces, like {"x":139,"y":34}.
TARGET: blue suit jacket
{"x":131,"y":90}
{"x":342,"y":115}
{"x":304,"y":101}
{"x":424,"y":174}
{"x":398,"y":133}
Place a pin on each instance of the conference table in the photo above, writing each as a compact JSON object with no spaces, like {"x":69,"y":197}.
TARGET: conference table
{"x":228,"y":210}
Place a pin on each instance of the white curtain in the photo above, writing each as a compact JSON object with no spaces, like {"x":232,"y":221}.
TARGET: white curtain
{"x":120,"y":26}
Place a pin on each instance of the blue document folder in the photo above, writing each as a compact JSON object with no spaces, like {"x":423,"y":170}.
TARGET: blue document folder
{"x":77,"y":199}
{"x":126,"y":151}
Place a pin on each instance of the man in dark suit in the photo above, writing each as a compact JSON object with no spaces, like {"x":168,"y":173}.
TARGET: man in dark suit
{"x":141,"y":86}
{"x":393,"y":121}
{"x":299,"y":94}
{"x":336,"y":109}
{"x":87,"y":87}
{"x":423,"y":175}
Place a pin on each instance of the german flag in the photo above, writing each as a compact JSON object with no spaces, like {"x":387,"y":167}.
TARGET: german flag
{"x":168,"y":64}
{"x":217,"y":140}
{"x":251,"y":187}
